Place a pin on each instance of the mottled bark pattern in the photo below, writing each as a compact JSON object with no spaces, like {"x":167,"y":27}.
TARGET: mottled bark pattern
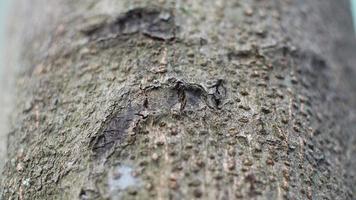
{"x":184,"y":100}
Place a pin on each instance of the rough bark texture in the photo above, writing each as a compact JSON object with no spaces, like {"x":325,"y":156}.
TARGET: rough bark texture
{"x":210,"y":99}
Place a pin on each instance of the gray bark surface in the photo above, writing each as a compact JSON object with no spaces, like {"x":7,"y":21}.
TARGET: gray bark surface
{"x":209,"y":99}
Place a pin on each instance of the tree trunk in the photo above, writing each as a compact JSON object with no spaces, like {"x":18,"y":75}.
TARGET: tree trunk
{"x":210,"y":99}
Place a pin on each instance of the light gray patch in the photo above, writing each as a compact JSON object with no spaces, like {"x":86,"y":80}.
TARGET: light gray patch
{"x":120,"y":178}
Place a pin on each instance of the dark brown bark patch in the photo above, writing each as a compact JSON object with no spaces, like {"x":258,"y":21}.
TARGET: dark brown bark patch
{"x":152,"y":22}
{"x":115,"y":131}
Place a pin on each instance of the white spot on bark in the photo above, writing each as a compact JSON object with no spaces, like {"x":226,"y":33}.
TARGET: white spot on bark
{"x":120,"y":178}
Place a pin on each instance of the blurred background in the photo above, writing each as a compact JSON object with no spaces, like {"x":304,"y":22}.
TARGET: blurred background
{"x":5,"y":81}
{"x":353,"y":5}
{"x":8,"y":71}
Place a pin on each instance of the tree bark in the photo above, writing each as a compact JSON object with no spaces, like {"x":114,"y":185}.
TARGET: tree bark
{"x":210,"y":99}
